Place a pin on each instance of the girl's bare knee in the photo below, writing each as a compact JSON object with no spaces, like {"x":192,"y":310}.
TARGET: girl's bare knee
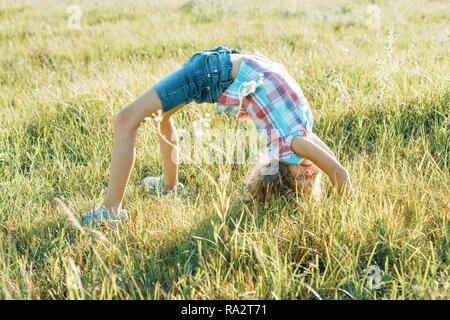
{"x":130,"y":118}
{"x":124,"y":122}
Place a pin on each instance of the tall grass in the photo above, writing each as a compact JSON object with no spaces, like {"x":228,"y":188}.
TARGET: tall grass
{"x":381,"y":99}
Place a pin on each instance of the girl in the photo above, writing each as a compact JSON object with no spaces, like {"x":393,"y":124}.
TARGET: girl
{"x":241,"y":85}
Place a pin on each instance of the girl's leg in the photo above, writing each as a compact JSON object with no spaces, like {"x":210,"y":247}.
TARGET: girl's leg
{"x":126,"y":124}
{"x":168,"y":142}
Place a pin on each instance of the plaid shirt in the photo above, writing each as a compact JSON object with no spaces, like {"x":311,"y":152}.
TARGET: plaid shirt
{"x":265,"y":92}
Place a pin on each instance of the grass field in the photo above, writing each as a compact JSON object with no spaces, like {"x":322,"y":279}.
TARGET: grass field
{"x":376,"y":74}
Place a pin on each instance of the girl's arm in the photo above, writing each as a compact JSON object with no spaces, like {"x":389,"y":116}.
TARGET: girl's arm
{"x":326,"y":162}
{"x":322,"y":144}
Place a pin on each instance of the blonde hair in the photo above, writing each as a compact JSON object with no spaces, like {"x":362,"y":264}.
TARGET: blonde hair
{"x":262,"y":186}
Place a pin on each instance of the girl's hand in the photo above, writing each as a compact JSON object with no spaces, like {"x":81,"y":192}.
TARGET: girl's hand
{"x":349,"y":191}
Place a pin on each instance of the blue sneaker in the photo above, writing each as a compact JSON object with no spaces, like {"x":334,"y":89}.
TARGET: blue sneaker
{"x":102,"y":216}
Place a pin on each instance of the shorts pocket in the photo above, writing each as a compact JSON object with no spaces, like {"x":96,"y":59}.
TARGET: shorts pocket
{"x":204,"y":93}
{"x":216,"y":88}
{"x":212,"y":62}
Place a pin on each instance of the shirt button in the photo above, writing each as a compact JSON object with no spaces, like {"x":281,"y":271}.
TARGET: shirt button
{"x":209,"y":75}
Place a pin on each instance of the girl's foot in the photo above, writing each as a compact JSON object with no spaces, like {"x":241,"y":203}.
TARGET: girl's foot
{"x":102,"y":216}
{"x":154,"y":184}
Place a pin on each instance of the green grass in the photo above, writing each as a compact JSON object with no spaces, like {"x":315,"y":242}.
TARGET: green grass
{"x":380,"y":98}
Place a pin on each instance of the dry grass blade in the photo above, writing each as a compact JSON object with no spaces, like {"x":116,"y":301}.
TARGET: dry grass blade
{"x":70,"y":216}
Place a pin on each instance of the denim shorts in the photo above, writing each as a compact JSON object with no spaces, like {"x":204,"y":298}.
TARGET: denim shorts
{"x":203,"y":78}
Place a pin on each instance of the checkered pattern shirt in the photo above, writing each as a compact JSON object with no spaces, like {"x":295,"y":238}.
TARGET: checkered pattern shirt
{"x":265,"y":92}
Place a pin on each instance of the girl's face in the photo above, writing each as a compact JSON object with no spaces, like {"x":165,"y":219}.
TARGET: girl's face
{"x":303,"y":173}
